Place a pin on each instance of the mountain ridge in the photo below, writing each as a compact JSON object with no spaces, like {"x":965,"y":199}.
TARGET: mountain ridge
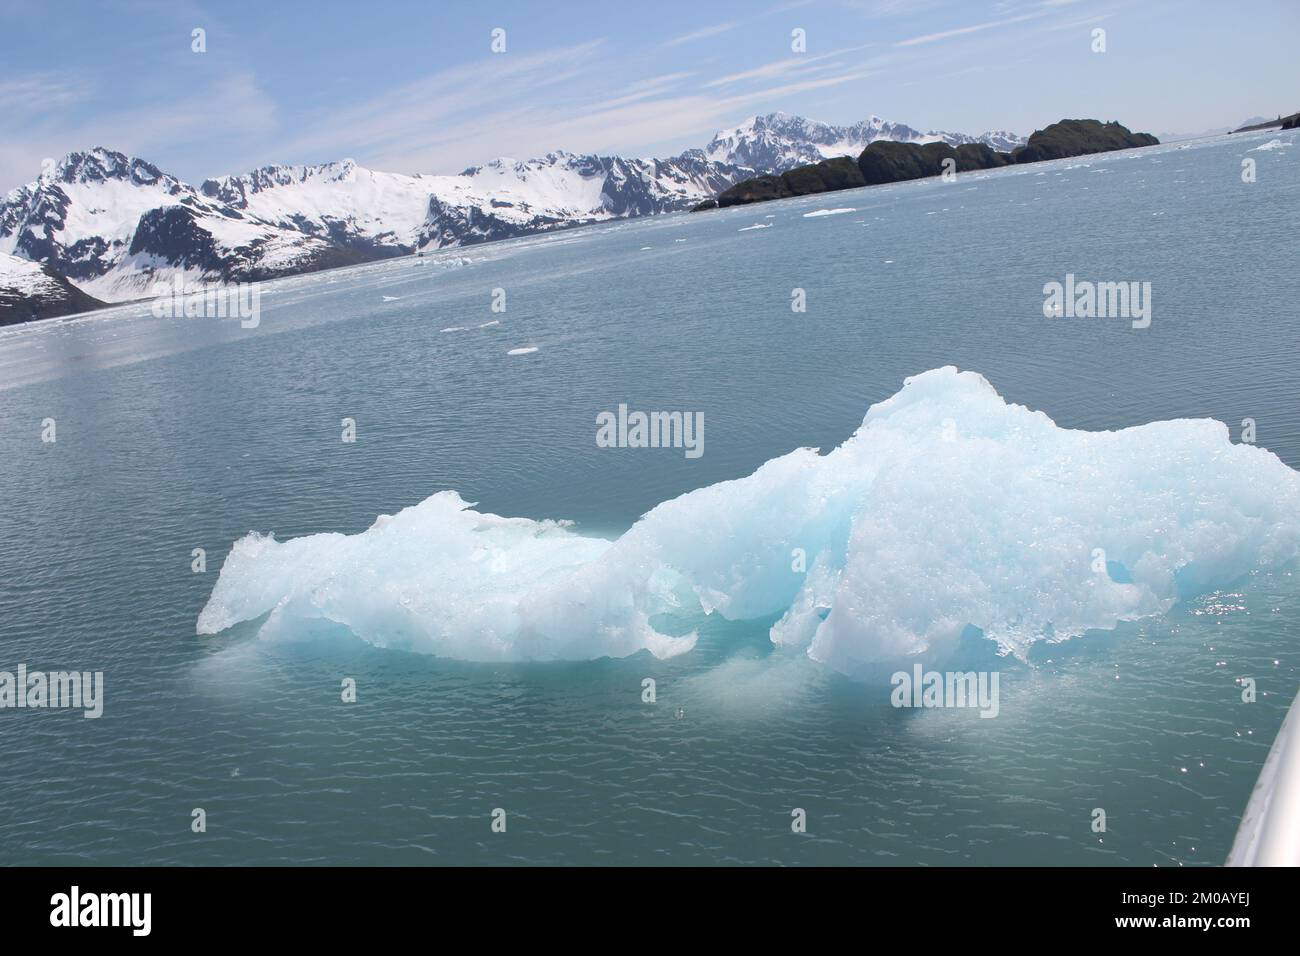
{"x":112,"y":225}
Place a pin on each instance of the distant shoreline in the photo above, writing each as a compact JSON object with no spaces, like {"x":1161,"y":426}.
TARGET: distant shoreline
{"x":1282,"y":122}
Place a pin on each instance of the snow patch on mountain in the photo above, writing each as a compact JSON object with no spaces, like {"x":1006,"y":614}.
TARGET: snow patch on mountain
{"x":33,"y":290}
{"x":24,"y":277}
{"x":340,"y":201}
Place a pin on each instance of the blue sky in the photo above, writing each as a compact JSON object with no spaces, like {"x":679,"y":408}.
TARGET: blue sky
{"x":414,"y":86}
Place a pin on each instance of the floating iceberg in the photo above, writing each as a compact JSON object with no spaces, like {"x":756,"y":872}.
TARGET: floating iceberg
{"x":947,"y":509}
{"x":817,"y":213}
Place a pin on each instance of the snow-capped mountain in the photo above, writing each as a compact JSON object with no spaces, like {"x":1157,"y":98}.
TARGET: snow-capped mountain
{"x":113,"y":225}
{"x":507,"y":198}
{"x":341,"y":202}
{"x":999,"y":140}
{"x":389,"y":212}
{"x":778,"y":142}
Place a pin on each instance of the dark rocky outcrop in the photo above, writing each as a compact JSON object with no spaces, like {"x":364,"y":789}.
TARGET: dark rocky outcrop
{"x":1079,"y":138}
{"x":826,"y":176}
{"x":897,"y":162}
{"x":978,"y":156}
{"x":173,"y":234}
{"x":890,"y":162}
{"x":758,"y":189}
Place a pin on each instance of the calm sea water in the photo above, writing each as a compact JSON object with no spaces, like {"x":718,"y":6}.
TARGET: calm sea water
{"x":183,"y":434}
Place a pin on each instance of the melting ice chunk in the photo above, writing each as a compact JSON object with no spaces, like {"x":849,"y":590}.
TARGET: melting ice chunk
{"x":947,"y":508}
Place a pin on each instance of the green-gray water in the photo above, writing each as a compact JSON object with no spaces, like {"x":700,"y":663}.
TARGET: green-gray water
{"x":183,"y":434}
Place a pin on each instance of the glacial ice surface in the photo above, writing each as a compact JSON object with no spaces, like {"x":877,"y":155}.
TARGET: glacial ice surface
{"x":947,"y":508}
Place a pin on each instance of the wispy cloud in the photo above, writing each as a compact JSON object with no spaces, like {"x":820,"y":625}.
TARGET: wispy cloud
{"x":521,"y":105}
{"x":975,"y":28}
{"x":39,"y":94}
{"x":783,"y":7}
{"x":702,"y":34}
{"x":1039,"y":9}
{"x":657,"y":111}
{"x":646,"y":89}
{"x":796,"y":64}
{"x":427,"y":115}
{"x":233,"y":110}
{"x":242,"y":106}
{"x":1082,"y":22}
{"x":891,"y":8}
